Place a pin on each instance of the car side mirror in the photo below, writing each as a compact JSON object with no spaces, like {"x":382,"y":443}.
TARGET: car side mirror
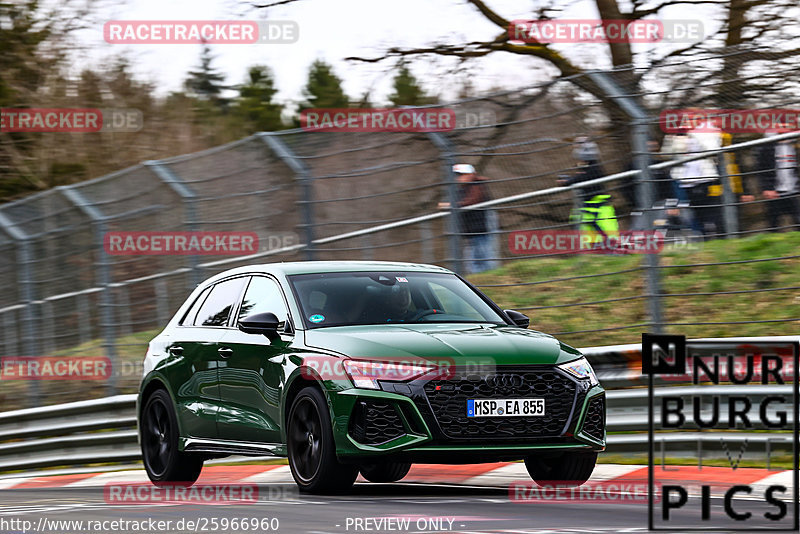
{"x":260,"y":323}
{"x":519,"y":319}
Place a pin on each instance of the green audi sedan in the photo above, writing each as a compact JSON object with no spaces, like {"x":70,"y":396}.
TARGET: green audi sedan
{"x":362,"y":367}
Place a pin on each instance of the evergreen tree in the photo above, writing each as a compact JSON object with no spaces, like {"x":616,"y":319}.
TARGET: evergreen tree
{"x":24,"y":68}
{"x":324,"y":88}
{"x":206,"y":83}
{"x":255,"y":108}
{"x":407,"y":91}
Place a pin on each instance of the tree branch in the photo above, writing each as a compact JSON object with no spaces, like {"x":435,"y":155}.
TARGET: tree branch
{"x":490,"y":14}
{"x":641,"y":13}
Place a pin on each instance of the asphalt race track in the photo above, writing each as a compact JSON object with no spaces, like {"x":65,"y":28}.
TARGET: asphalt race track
{"x":471,"y":509}
{"x":425,"y":507}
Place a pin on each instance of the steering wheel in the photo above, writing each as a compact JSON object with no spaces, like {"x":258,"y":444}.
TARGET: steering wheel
{"x":423,"y":313}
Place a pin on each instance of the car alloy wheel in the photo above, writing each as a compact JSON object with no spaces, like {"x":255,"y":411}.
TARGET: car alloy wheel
{"x":312,"y":452}
{"x":164,"y":463}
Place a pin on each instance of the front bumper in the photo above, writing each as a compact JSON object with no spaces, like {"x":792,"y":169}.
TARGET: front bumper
{"x":417,"y":422}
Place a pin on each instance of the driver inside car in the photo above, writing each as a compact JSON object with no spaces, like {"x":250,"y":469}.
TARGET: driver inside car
{"x":398,"y":303}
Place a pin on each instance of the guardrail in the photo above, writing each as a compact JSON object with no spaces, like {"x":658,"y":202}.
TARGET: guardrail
{"x":75,"y":433}
{"x":104,"y":430}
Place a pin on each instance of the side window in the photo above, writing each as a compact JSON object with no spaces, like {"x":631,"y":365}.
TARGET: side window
{"x":188,"y":319}
{"x":263,"y":295}
{"x":217,"y":307}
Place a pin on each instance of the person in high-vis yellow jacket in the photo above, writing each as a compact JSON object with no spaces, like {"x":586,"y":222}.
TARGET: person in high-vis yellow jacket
{"x":596,"y":215}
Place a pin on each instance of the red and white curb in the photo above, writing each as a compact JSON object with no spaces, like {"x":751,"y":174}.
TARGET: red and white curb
{"x":496,"y":475}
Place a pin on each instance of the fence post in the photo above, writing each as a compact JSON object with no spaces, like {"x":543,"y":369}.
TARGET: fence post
{"x":641,"y":160}
{"x":30,"y":340}
{"x":123,"y":300}
{"x":10,"y":333}
{"x":162,"y":300}
{"x":84,"y":318}
{"x":426,"y":241}
{"x":106,"y":305}
{"x":187,"y":194}
{"x":48,"y":330}
{"x":453,"y":227}
{"x":302,"y":175}
{"x":728,"y":198}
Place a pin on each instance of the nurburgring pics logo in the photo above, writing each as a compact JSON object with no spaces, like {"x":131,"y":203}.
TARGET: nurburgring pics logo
{"x":201,"y":31}
{"x":551,"y":31}
{"x":180,"y":243}
{"x":675,"y":121}
{"x":537,"y":242}
{"x":71,"y":120}
{"x":740,"y":391}
{"x":378,"y":120}
{"x":55,"y":368}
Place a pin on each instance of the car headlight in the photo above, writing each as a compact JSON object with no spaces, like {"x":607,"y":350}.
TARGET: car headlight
{"x":580,"y":369}
{"x":366,"y":373}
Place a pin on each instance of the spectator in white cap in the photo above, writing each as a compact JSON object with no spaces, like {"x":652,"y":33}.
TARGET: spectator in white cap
{"x":473,"y":224}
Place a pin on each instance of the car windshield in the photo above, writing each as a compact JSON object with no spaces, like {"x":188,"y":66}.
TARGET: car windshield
{"x":364,"y":298}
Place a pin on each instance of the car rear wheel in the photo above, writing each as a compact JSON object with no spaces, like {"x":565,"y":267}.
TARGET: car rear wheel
{"x":389,"y":472}
{"x":164,"y":463}
{"x":311,"y":449}
{"x":571,"y":468}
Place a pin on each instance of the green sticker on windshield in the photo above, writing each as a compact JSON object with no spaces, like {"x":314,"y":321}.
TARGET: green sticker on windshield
{"x":316,"y":318}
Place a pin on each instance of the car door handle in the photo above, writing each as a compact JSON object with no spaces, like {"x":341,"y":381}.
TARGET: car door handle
{"x":225,"y":352}
{"x":176,"y":351}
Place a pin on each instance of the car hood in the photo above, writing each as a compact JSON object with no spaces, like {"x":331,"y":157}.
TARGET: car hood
{"x":501,"y":345}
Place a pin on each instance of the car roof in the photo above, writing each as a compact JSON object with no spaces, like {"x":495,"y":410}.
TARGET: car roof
{"x":316,"y":267}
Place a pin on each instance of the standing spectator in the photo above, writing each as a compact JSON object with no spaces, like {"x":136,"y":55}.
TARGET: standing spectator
{"x":666,"y":195}
{"x":473,"y":223}
{"x":589,"y":168}
{"x":698,"y":180}
{"x":664,"y":187}
{"x":596,"y":214}
{"x":778,"y":176}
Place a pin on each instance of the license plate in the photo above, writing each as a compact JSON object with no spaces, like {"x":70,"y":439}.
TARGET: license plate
{"x":505,"y":407}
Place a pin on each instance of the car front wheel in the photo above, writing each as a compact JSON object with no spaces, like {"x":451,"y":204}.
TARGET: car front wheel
{"x":164,"y":463}
{"x":388,"y":472}
{"x":311,"y":449}
{"x":571,"y":468}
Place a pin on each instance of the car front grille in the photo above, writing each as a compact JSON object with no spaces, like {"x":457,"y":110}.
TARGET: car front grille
{"x":448,"y":402}
{"x":595,"y":421}
{"x":374,"y":422}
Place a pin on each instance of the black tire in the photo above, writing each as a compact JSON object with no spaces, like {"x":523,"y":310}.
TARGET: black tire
{"x":311,"y":449}
{"x":164,"y":463}
{"x":389,"y":472}
{"x":572,"y":468}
